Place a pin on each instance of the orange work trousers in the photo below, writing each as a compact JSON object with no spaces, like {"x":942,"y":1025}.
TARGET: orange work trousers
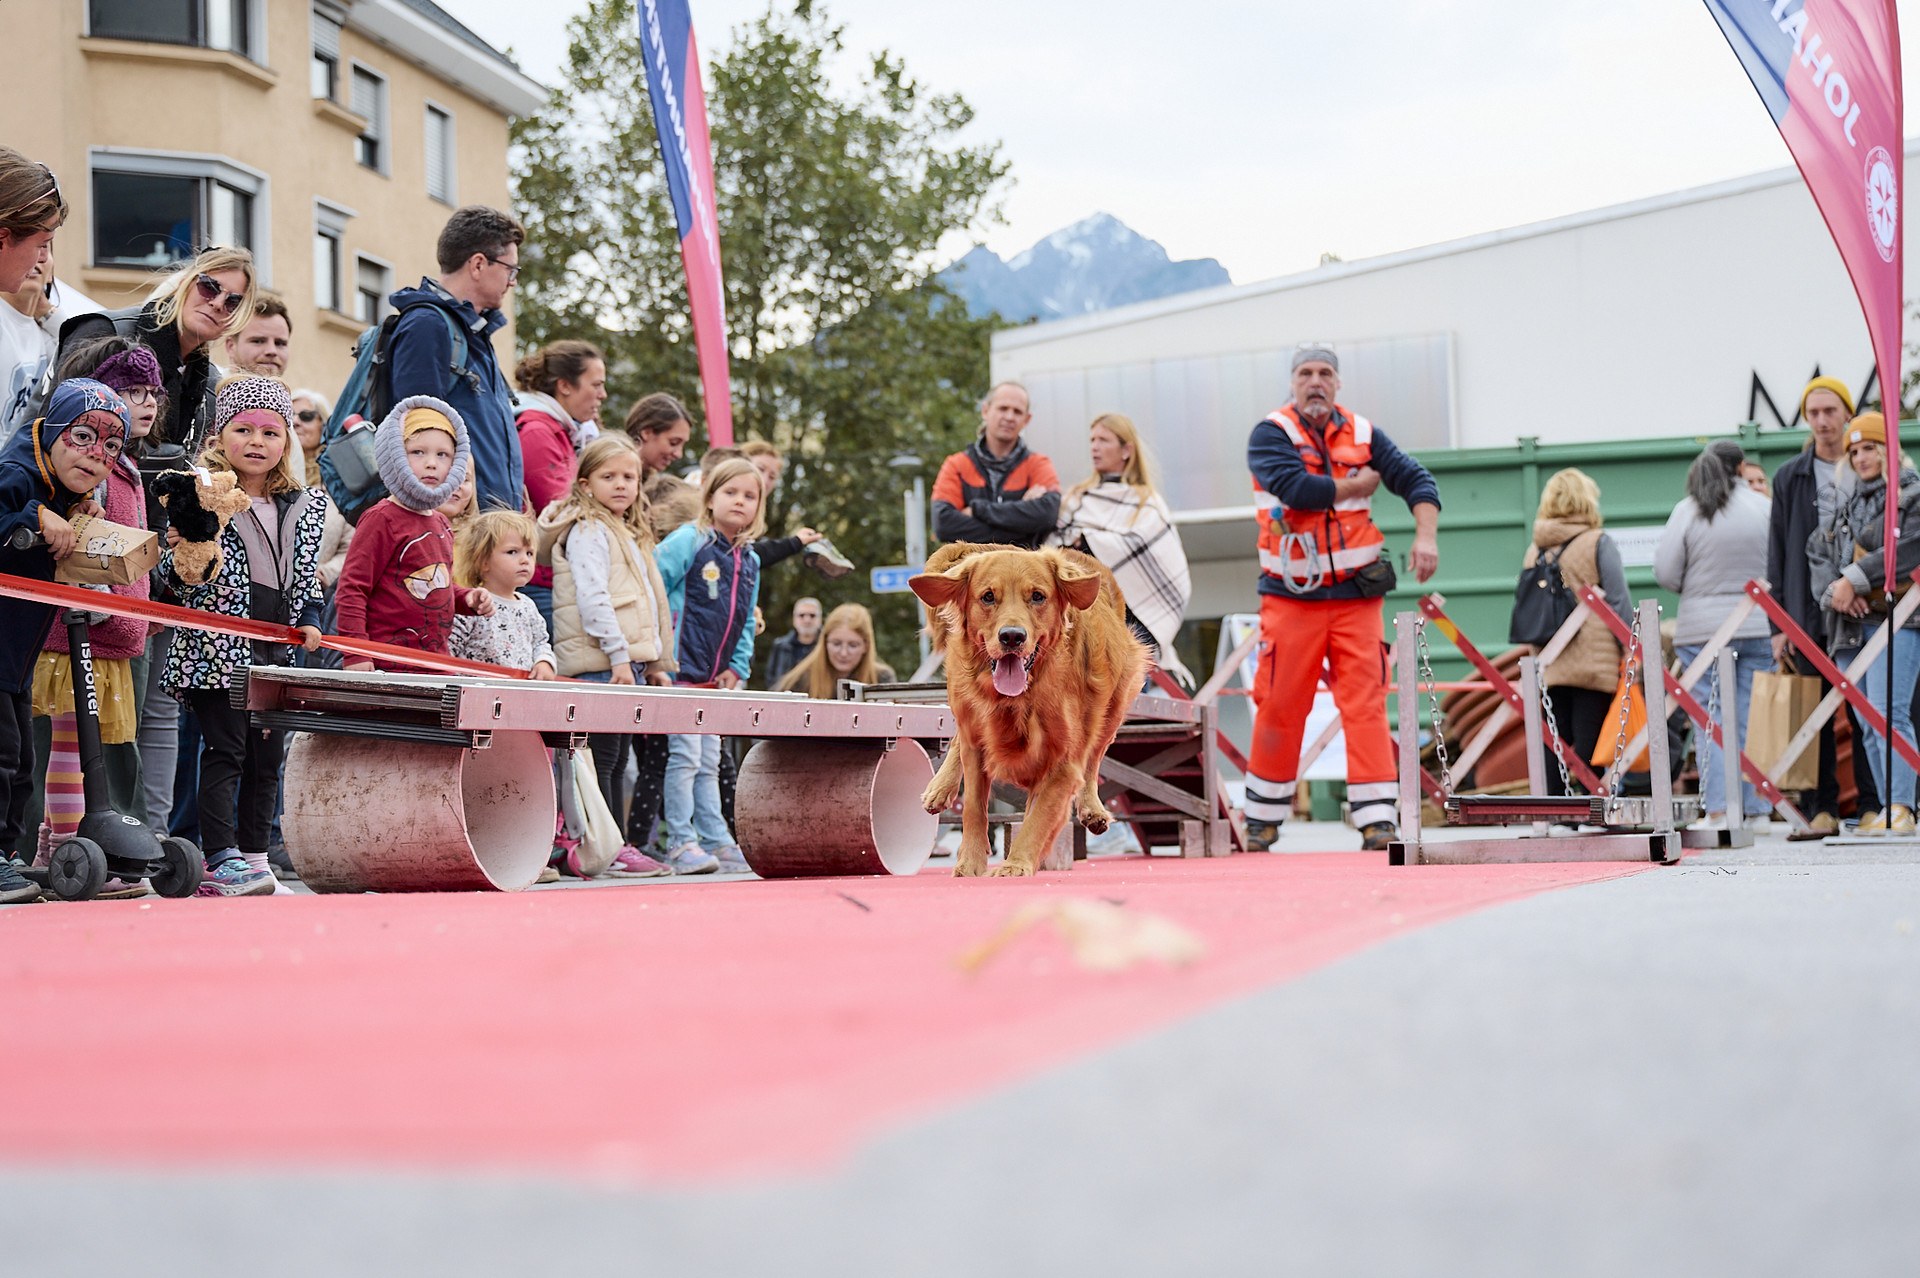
{"x":1298,"y":637}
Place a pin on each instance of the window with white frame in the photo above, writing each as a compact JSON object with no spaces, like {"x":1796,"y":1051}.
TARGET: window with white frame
{"x":373,"y":281}
{"x":329,"y":255}
{"x":440,"y":181}
{"x":370,"y":103}
{"x":152,"y":209}
{"x":325,"y":68}
{"x":209,"y":24}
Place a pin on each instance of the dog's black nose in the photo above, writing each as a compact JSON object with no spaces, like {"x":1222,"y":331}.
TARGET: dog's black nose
{"x":1012,"y":636}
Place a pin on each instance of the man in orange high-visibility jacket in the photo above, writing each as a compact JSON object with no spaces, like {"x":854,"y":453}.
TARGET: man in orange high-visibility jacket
{"x":1323,"y":567}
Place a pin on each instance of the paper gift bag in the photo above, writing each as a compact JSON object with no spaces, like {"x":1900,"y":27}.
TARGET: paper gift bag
{"x":107,"y":554}
{"x":1781,"y":703}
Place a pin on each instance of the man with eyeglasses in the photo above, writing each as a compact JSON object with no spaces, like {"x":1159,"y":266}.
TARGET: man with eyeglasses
{"x":479,"y":259}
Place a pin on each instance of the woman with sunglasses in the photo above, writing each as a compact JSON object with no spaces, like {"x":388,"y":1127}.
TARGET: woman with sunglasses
{"x":188,"y":311}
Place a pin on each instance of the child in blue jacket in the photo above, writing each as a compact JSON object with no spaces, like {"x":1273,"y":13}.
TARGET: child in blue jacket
{"x":48,"y":473}
{"x":713,"y":583}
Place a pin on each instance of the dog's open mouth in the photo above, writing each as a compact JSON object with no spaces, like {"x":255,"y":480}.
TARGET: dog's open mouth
{"x":1010,"y":673}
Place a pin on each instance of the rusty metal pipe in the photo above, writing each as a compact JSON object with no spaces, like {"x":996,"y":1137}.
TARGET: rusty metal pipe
{"x":810,"y":808}
{"x":365,"y":815}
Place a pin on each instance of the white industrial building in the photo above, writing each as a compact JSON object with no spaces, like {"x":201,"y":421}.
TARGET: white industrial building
{"x":1654,"y":318}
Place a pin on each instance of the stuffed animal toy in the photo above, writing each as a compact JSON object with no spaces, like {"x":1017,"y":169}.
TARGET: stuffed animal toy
{"x":199,"y":504}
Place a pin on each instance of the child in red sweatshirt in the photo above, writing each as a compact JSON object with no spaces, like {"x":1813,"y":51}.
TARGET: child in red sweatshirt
{"x":397,"y":584}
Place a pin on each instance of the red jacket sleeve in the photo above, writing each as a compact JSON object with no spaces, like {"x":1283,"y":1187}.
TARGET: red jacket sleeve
{"x":367,"y":556}
{"x":548,"y":459}
{"x":1040,"y":473}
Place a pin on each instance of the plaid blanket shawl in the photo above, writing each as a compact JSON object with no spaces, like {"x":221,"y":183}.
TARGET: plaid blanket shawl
{"x":1135,"y":539}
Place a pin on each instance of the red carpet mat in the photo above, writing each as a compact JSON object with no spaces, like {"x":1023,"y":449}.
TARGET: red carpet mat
{"x":679,"y":1031}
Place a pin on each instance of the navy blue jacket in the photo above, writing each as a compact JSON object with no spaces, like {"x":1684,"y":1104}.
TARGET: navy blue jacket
{"x":1276,"y":464}
{"x":422,"y":364}
{"x":23,"y":490}
{"x":712,"y":587}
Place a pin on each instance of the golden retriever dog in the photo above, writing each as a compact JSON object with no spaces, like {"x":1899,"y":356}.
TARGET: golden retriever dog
{"x":1041,"y":668}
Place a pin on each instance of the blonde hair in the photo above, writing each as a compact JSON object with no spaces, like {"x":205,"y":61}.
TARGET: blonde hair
{"x":760,"y":448}
{"x":281,"y":479}
{"x":815,"y":675}
{"x":485,"y":533}
{"x":171,"y":289}
{"x":730,"y":469}
{"x":1138,"y":473}
{"x":1571,"y":494}
{"x":600,"y":450}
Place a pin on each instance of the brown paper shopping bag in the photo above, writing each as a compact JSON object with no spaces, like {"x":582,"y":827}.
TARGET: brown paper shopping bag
{"x":1781,"y":703}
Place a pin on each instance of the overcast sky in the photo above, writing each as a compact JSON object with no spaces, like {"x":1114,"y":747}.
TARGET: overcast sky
{"x":1265,"y":132}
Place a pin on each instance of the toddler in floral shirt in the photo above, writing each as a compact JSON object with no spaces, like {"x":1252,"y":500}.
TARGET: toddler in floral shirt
{"x":494,"y":551}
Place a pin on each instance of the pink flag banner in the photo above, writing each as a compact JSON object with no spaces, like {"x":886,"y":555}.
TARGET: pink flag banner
{"x":680,"y":121}
{"x":1829,"y":73}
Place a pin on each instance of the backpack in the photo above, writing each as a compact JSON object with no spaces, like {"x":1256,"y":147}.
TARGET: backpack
{"x":1541,"y":601}
{"x":347,"y":465}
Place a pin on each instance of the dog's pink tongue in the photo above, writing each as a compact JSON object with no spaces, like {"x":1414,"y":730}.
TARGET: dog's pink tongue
{"x":1009,"y":675}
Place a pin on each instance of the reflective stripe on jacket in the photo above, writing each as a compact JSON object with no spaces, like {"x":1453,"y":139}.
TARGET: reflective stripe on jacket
{"x":1344,"y":537}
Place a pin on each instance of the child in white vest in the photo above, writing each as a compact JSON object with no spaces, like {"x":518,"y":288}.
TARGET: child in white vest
{"x":610,"y":618}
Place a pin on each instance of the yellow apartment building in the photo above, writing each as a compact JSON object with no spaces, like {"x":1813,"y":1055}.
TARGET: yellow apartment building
{"x":331,"y":137}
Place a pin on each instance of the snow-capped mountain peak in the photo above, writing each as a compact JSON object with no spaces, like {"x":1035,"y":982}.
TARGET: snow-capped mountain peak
{"x":1096,"y":263}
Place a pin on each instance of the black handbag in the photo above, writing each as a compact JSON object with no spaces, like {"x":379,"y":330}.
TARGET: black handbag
{"x":1541,"y":601}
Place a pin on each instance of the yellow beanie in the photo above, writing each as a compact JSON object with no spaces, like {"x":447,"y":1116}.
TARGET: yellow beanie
{"x":1867,"y":426}
{"x":1833,"y":384}
{"x":419,"y":419}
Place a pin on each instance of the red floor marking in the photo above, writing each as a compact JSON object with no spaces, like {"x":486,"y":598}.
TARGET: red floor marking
{"x":654,"y":1032}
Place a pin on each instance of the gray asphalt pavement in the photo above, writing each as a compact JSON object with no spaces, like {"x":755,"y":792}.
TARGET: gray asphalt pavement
{"x":1707,"y":1069}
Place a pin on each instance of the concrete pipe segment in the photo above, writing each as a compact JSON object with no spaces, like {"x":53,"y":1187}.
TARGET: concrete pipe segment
{"x":367,"y":815}
{"x":813,"y":808}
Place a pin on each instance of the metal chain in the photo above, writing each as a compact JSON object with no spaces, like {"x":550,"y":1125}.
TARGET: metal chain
{"x":1553,"y":734}
{"x":1435,"y":719}
{"x":1626,"y":707}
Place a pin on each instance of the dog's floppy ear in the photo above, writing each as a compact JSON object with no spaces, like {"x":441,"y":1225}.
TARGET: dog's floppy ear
{"x":1080,"y":586}
{"x":937,"y":588}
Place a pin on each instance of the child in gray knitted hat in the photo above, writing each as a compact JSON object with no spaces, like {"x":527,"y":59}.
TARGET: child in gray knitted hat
{"x":397,"y":583}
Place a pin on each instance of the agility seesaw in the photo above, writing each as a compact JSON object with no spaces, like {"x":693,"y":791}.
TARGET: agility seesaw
{"x":442,"y":781}
{"x":1622,"y":820}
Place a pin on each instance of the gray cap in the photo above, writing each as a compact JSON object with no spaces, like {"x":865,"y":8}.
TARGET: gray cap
{"x":1306,"y":351}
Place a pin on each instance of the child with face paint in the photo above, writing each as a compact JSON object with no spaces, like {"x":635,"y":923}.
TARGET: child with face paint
{"x":269,"y":572}
{"x":48,"y":473}
{"x":118,"y":645}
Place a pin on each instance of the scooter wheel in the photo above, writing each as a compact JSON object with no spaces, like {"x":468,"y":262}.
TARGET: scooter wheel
{"x":185,"y":868}
{"x":77,"y":870}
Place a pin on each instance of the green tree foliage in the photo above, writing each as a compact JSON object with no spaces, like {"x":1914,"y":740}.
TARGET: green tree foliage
{"x":846,"y":353}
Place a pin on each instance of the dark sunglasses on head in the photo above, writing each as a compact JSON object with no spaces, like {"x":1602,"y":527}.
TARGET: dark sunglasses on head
{"x":210,"y":289}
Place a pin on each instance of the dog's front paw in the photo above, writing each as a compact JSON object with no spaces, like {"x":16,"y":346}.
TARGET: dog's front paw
{"x":939,"y":796}
{"x":970,"y":865}
{"x":1096,"y":818}
{"x":1011,"y":869}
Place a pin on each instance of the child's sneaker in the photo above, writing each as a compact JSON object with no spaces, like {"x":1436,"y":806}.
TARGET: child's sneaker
{"x":732,"y":860}
{"x":632,"y":863}
{"x":233,"y":877}
{"x":15,"y":886}
{"x":691,"y":858}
